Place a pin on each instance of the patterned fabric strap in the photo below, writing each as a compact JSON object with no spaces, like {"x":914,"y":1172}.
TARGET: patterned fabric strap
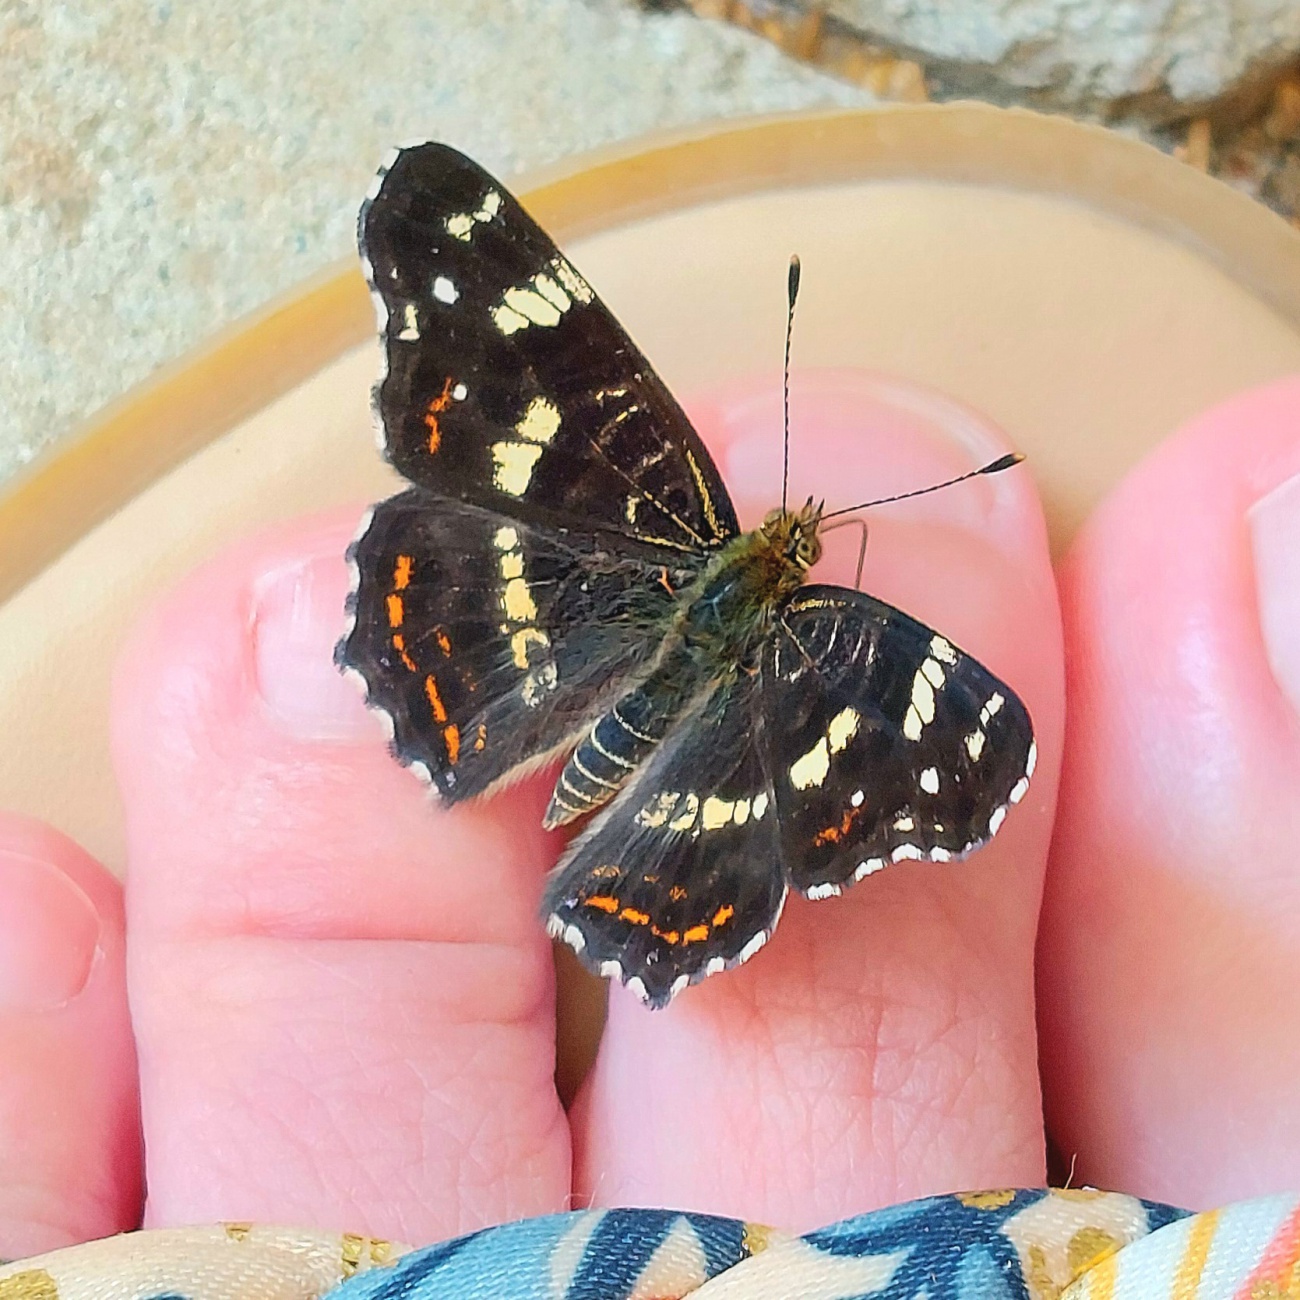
{"x":1011,"y":1245}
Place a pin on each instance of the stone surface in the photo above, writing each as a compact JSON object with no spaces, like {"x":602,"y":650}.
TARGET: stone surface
{"x":167,"y":167}
{"x":1084,"y":54}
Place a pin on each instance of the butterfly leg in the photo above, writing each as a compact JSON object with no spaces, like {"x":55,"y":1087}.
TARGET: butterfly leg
{"x":862,"y":546}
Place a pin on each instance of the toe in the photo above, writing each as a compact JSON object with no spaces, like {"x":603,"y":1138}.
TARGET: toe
{"x":343,"y":998}
{"x":69,"y":1122}
{"x":1170,"y":951}
{"x":882,"y":1045}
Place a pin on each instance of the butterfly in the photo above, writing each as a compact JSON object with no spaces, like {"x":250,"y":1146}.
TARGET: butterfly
{"x":565,"y":577}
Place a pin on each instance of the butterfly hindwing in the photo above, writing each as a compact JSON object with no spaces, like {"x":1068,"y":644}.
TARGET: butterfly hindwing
{"x":884,"y":741}
{"x":508,"y":383}
{"x":490,"y":643}
{"x":681,"y":875}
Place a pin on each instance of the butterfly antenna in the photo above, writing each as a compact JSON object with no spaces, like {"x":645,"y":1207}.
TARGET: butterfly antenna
{"x":792,"y":292}
{"x":993,"y":467}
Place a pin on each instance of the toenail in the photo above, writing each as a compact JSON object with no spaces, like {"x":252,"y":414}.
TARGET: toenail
{"x":49,"y":935}
{"x":1275,"y":535}
{"x":852,"y":417}
{"x":297,"y":621}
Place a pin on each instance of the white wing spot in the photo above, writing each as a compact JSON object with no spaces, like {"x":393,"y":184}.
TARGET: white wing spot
{"x":975,"y":744}
{"x":507,"y":320}
{"x":540,"y":421}
{"x":827,"y":890}
{"x":812,"y":767}
{"x":460,"y":392}
{"x":995,"y":822}
{"x":530,"y":306}
{"x":571,"y":280}
{"x":1031,"y":760}
{"x":517,"y":600}
{"x":907,"y":851}
{"x":1019,"y":789}
{"x":521,"y":643}
{"x":923,"y":696}
{"x":655,"y":814}
{"x":690,"y":810}
{"x":869,"y":868}
{"x":930,"y":780}
{"x":444,"y":290}
{"x":459,"y":225}
{"x":856,"y":798}
{"x":716,"y":812}
{"x":410,"y":324}
{"x":943,"y":650}
{"x":552,"y":292}
{"x":514,"y":463}
{"x":844,"y":726}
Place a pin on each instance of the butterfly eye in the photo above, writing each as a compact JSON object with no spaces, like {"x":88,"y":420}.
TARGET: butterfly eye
{"x":808,"y":550}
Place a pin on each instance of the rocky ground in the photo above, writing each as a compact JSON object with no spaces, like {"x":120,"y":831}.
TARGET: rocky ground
{"x":1215,"y":81}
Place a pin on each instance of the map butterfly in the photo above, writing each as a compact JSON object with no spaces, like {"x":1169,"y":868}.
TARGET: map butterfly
{"x":565,"y":577}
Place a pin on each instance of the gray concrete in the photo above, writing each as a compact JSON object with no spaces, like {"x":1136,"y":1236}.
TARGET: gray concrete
{"x":167,"y":167}
{"x":1083,"y":54}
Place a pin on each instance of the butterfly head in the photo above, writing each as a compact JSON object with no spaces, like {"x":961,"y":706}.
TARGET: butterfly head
{"x":794,"y":534}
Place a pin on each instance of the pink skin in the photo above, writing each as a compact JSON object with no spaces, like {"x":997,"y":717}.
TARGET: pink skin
{"x":344,"y":1004}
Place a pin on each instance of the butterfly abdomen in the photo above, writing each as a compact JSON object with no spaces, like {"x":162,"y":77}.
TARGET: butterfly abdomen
{"x":622,"y":738}
{"x":725,"y":617}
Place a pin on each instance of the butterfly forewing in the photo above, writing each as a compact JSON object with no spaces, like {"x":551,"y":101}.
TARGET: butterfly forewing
{"x":885,"y":742}
{"x":508,"y":383}
{"x":681,"y":875}
{"x":489,"y":642}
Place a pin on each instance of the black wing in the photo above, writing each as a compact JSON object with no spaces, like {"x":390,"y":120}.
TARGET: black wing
{"x":490,"y":643}
{"x":509,"y":384}
{"x":681,"y":876}
{"x":885,"y":742}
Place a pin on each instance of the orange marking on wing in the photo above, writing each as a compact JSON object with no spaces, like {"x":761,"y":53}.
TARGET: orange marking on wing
{"x":637,"y":918}
{"x":451,"y":734}
{"x":481,"y":739}
{"x":443,"y":640}
{"x":834,"y":834}
{"x":396,"y":611}
{"x":695,"y":934}
{"x":399,"y":644}
{"x":677,"y":893}
{"x":668,"y":936}
{"x":724,"y":914}
{"x":664,"y":583}
{"x":402,"y":572}
{"x":603,"y":902}
{"x":436,"y":406}
{"x":435,"y":700}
